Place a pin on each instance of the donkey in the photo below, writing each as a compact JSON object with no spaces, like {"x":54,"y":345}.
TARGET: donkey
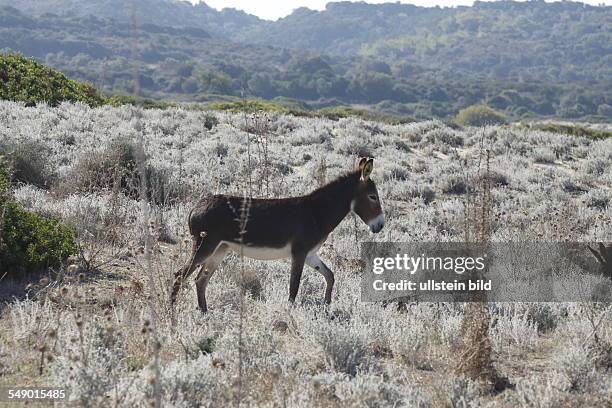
{"x":293,"y":228}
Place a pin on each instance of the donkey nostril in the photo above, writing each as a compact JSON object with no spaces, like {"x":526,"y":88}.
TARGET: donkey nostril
{"x":377,"y":227}
{"x":377,"y":224}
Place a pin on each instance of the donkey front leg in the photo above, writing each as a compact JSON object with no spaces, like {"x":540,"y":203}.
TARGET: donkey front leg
{"x":317,"y":264}
{"x":297,"y":265}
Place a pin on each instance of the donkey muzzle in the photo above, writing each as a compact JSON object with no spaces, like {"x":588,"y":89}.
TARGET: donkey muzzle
{"x":377,"y":224}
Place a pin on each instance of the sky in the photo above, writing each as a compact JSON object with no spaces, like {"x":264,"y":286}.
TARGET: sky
{"x":272,"y":10}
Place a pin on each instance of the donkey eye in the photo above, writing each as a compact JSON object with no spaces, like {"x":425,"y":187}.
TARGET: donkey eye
{"x":373,"y":197}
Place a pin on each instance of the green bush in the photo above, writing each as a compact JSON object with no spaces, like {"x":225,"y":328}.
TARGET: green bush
{"x":573,"y":130}
{"x":480,"y":115}
{"x":4,"y":180}
{"x":340,"y":112}
{"x":29,"y":243}
{"x":25,"y":80}
{"x":145,"y":103}
{"x":254,"y":106}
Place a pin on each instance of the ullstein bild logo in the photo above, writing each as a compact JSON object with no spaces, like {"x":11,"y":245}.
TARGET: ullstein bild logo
{"x":468,"y":272}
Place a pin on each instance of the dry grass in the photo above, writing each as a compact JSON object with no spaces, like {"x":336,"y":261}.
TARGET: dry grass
{"x":103,"y":329}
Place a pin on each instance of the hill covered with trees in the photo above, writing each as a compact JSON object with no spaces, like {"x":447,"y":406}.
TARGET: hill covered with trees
{"x":527,"y":59}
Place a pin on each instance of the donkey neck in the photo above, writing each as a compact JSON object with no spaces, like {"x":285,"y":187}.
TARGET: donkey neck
{"x":331,"y":203}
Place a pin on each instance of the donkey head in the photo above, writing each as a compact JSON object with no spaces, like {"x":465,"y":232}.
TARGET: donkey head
{"x":604,"y":256}
{"x":366,"y":203}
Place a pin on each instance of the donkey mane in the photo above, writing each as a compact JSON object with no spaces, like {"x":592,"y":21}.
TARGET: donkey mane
{"x":332,"y":202}
{"x":340,"y":183}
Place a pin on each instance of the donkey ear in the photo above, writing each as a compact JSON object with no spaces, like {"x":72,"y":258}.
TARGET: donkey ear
{"x":361,"y":163}
{"x":367,"y":169}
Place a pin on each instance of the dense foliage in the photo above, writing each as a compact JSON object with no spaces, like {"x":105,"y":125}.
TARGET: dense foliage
{"x":24,"y":80}
{"x":29,"y":242}
{"x":286,"y":107}
{"x":530,"y":59}
{"x":479,"y":115}
{"x":574,"y":130}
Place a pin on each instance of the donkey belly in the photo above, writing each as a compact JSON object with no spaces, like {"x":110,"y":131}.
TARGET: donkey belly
{"x":260,"y":253}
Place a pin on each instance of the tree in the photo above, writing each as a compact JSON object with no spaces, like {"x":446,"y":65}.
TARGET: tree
{"x":260,"y":84}
{"x":605,"y":110}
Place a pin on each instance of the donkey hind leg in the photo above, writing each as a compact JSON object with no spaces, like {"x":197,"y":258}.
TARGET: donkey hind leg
{"x":201,"y":250}
{"x":206,"y":272}
{"x":317,"y":264}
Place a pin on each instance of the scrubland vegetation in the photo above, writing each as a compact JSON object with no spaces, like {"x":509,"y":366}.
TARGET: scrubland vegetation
{"x":123,"y":179}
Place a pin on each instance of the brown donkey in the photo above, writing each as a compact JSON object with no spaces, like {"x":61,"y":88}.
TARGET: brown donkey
{"x":278,"y":228}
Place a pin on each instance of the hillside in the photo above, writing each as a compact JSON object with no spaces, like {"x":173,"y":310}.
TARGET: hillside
{"x":498,"y":39}
{"x":528,"y":59}
{"x":157,"y":12}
